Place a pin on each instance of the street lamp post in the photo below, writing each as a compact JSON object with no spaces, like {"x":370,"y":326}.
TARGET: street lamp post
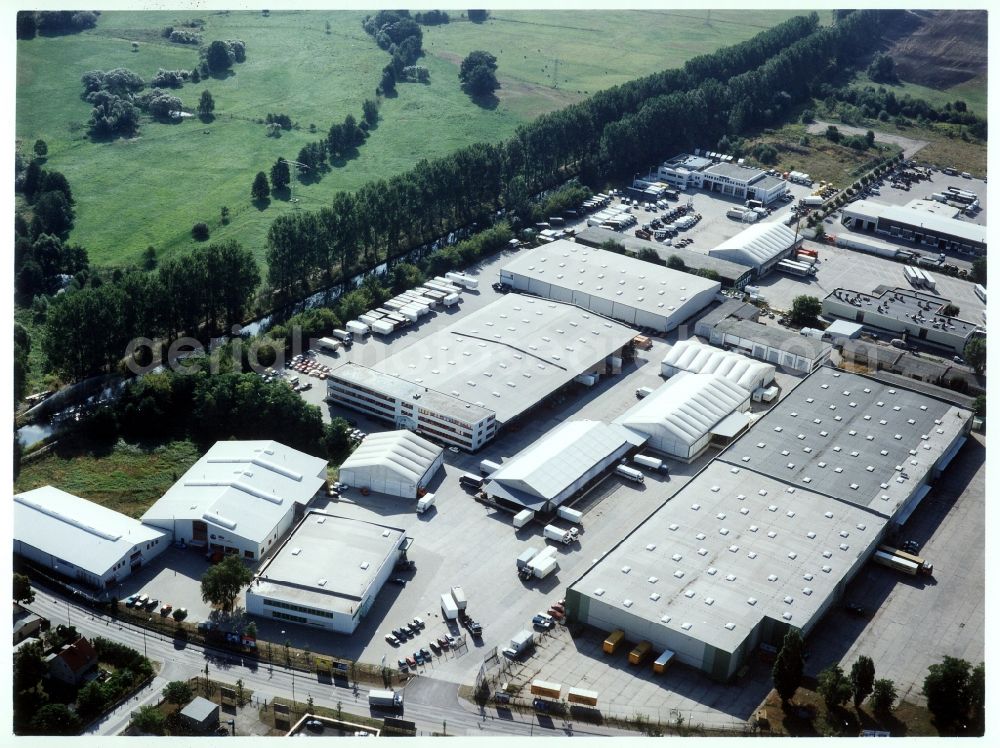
{"x":144,"y":640}
{"x":288,"y":662}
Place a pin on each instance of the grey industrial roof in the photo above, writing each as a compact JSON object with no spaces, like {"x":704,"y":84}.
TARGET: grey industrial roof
{"x":917,"y":218}
{"x":843,"y":328}
{"x":654,"y":289}
{"x":547,"y":467}
{"x":734,"y":171}
{"x":685,"y":407}
{"x":694,"y":356}
{"x":511,"y":354}
{"x":775,"y":337}
{"x":401,"y":454}
{"x":199,"y":709}
{"x":730,"y":308}
{"x":933,"y":206}
{"x":86,"y":534}
{"x":861,"y":351}
{"x":905,"y":305}
{"x":731,"y":548}
{"x":688,"y":161}
{"x":246,"y":487}
{"x":757,"y":244}
{"x":768,"y":182}
{"x":405,"y":390}
{"x":595,"y":236}
{"x":849,"y":436}
{"x":926,"y":388}
{"x":329,"y":562}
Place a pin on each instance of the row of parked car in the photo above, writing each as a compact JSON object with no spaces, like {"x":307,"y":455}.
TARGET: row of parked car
{"x":145,"y":602}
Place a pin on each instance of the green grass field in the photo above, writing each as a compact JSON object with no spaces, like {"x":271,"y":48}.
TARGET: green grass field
{"x":124,"y":477}
{"x":151,"y":189}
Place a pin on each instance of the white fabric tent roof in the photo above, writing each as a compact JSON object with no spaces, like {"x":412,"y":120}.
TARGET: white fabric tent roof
{"x":402,"y":455}
{"x":756,"y":245}
{"x":699,"y":358}
{"x":686,"y":406}
{"x":550,"y":465}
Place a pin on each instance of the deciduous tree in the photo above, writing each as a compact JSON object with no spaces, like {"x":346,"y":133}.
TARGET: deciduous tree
{"x":883,"y":695}
{"x":22,"y":589}
{"x":833,"y":686}
{"x":862,"y":679}
{"x":206,"y":104}
{"x":787,"y":670}
{"x":221,"y":584}
{"x":261,"y":190}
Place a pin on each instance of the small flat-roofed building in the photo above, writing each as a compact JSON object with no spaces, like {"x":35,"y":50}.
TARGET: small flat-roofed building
{"x":679,"y":417}
{"x":718,"y":173}
{"x":683,"y":171}
{"x":558,"y":466}
{"x":460,"y":384}
{"x":398,"y":463}
{"x":632,"y":291}
{"x":731,"y":274}
{"x":240,"y":497}
{"x":327,"y":574}
{"x":698,"y":358}
{"x":903,"y":311}
{"x":82,"y":540}
{"x":798,"y":353}
{"x":734,"y":560}
{"x":856,"y":438}
{"x":916,"y":225}
{"x":841,"y":330}
{"x":760,"y":246}
{"x":200,"y":714}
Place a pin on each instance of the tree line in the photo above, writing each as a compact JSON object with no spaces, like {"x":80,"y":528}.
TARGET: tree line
{"x":88,"y":329}
{"x":613,"y":131}
{"x":53,"y":22}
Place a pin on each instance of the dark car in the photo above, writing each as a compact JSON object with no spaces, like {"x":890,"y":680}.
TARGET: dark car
{"x":910,"y":546}
{"x":443,"y":643}
{"x":435,"y":647}
{"x":398,"y":580}
{"x":426,"y":653}
{"x":419,"y":658}
{"x":854,"y":609}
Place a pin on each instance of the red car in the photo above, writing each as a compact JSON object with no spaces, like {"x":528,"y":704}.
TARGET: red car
{"x":411,"y":662}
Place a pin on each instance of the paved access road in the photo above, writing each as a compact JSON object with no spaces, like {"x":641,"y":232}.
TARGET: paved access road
{"x":434,"y":703}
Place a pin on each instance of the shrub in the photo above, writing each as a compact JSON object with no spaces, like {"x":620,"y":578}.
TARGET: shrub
{"x":199,"y":232}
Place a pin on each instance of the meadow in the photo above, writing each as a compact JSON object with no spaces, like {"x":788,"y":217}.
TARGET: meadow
{"x":149,"y":190}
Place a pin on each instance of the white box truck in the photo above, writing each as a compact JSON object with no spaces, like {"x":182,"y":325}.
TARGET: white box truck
{"x":525,"y":558}
{"x":520,"y":643}
{"x":458,"y":595}
{"x":450,"y":300}
{"x":630,"y":473}
{"x":551,"y":532}
{"x":343,"y":335}
{"x":570,"y":515}
{"x":385,"y":699}
{"x":425,"y":502}
{"x":523,"y":517}
{"x":356,"y":327}
{"x":488,"y":466}
{"x":448,"y":607}
{"x":543,"y":568}
{"x":654,"y":463}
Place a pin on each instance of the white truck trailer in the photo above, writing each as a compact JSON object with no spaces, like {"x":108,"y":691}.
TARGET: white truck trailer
{"x":570,"y":515}
{"x":448,"y":607}
{"x":458,"y":595}
{"x":523,"y":517}
{"x":630,"y":473}
{"x":551,"y":532}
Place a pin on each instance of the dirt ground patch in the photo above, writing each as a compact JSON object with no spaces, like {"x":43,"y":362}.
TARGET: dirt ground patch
{"x":945,"y":49}
{"x":909,"y":145}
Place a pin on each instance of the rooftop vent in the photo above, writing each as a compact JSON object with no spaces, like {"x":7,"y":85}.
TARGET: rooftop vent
{"x":599,"y":591}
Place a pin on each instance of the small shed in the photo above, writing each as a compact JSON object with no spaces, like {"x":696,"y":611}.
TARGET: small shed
{"x":841,"y":329}
{"x":201,"y":714}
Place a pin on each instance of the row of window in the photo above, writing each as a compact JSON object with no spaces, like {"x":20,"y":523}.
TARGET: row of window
{"x":299,"y":608}
{"x":288,"y":617}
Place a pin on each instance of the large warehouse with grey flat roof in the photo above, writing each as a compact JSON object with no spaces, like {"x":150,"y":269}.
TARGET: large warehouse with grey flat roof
{"x":767,"y":536}
{"x":460,"y":384}
{"x":632,"y":291}
{"x":327,"y":574}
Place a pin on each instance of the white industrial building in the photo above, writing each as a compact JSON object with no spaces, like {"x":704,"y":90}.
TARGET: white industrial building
{"x":767,"y":536}
{"x":717,"y":173}
{"x":937,"y":232}
{"x":81,"y":540}
{"x":240,"y":497}
{"x":458,"y":385}
{"x":327,"y":574}
{"x":698,"y":358}
{"x":903,"y":311}
{"x":734,"y":560}
{"x":681,"y":416}
{"x":635,"y":292}
{"x":398,"y":463}
{"x":760,"y":246}
{"x":558,"y":466}
{"x":798,"y":353}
